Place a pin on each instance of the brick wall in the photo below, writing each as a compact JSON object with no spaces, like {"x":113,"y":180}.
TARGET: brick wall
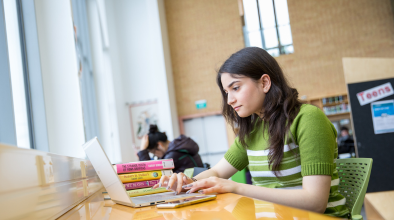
{"x":325,"y":31}
{"x":203,"y":33}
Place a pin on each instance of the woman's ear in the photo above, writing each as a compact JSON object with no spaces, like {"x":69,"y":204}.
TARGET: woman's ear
{"x":266,"y":82}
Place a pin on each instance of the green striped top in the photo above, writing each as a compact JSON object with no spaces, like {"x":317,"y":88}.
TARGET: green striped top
{"x":313,"y":153}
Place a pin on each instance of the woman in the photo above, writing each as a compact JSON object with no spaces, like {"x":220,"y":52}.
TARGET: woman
{"x":183,"y":150}
{"x":290,"y":147}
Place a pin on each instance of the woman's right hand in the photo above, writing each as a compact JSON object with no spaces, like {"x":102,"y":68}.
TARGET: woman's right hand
{"x":174,"y":183}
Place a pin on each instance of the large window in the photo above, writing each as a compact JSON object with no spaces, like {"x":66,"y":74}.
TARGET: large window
{"x":267,"y":25}
{"x":26,"y":111}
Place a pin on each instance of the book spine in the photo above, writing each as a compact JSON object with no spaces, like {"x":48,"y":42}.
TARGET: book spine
{"x":141,"y":184}
{"x":141,"y":166}
{"x":145,"y":191}
{"x":149,"y":175}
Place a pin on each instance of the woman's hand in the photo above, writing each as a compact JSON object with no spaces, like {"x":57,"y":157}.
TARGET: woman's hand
{"x":144,"y":142}
{"x":212,"y":185}
{"x":174,"y":183}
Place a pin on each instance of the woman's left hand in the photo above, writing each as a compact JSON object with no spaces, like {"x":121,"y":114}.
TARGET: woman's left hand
{"x":212,"y":185}
{"x":144,"y":142}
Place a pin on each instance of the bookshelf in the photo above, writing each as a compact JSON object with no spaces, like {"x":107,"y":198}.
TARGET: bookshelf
{"x":337,"y":109}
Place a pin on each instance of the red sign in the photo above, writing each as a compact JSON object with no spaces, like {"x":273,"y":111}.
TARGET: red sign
{"x":375,"y":93}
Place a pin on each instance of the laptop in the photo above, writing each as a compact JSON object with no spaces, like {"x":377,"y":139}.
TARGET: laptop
{"x":115,"y":187}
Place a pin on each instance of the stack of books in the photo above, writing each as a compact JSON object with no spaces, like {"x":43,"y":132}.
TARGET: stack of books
{"x":139,"y":177}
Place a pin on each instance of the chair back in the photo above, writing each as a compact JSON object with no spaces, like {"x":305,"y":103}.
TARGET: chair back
{"x":354,"y":176}
{"x":192,"y":172}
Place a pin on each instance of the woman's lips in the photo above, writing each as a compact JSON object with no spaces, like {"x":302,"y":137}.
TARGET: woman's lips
{"x":237,"y":108}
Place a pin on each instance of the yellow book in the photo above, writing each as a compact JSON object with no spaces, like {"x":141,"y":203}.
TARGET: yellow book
{"x":148,"y":175}
{"x":145,"y":191}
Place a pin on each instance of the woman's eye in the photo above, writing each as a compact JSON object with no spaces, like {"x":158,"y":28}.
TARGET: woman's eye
{"x":236,"y":88}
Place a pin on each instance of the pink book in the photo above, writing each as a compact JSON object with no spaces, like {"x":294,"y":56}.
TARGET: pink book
{"x":142,"y":184}
{"x":141,"y":166}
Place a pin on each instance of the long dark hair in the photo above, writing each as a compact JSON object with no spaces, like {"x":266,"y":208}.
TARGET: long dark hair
{"x":280,"y":106}
{"x":155,"y":136}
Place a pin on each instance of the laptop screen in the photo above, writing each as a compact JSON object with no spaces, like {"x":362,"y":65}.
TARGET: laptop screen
{"x":104,"y":170}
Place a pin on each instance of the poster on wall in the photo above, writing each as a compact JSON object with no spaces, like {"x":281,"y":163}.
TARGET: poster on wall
{"x":141,"y":116}
{"x":383,"y":116}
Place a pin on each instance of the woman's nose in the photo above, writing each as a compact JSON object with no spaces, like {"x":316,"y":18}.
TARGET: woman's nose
{"x":230,"y":99}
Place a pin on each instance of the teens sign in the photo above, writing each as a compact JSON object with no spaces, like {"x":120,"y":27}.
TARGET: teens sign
{"x":375,"y":93}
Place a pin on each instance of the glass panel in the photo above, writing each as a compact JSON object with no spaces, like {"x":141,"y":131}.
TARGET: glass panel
{"x":289,"y":49}
{"x":282,"y":14}
{"x":17,"y":75}
{"x":274,"y":52}
{"x":267,"y":13}
{"x":251,"y":15}
{"x":270,"y":37}
{"x":255,"y":39}
{"x":285,"y":35}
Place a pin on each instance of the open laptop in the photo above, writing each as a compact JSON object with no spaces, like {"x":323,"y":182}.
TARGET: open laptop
{"x":115,"y":187}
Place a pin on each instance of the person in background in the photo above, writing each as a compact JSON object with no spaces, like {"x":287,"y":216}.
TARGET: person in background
{"x":183,"y":150}
{"x":345,"y":142}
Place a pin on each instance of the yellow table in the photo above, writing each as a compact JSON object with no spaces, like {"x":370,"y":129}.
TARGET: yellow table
{"x":227,"y":207}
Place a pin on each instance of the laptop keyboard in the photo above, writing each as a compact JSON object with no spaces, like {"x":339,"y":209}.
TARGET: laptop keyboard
{"x":160,"y":197}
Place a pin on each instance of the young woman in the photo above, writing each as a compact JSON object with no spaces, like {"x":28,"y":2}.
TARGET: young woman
{"x":183,"y":150}
{"x":290,"y":147}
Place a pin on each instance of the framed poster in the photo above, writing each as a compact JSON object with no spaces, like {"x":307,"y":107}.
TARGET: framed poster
{"x":141,"y":116}
{"x":383,"y":116}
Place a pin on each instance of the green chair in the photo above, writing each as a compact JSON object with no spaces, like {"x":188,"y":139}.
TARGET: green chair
{"x":354,"y":176}
{"x":189,"y":172}
{"x":239,"y":176}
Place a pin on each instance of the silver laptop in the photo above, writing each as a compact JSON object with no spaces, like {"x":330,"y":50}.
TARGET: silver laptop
{"x":115,"y":187}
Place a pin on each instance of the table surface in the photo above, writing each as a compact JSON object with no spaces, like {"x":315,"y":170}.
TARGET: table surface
{"x":227,"y":206}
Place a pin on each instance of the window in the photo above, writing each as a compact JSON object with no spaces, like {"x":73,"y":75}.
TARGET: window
{"x":24,"y":114}
{"x":18,"y":81}
{"x":84,"y":62}
{"x":267,"y":25}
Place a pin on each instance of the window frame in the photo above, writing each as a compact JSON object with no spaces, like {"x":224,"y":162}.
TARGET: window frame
{"x":280,"y":47}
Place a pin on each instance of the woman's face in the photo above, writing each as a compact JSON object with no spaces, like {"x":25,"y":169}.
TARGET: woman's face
{"x":159,"y":151}
{"x":245,"y":95}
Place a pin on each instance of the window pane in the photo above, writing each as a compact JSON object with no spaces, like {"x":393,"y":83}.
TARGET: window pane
{"x":282,"y":14}
{"x":267,"y":13}
{"x":255,"y":39}
{"x":270,"y":37}
{"x":251,"y":15}
{"x":289,"y":49}
{"x":274,"y":52}
{"x":285,"y":35}
{"x":17,"y":74}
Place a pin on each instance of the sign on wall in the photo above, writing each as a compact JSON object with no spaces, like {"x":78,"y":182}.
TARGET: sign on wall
{"x":375,"y":93}
{"x":201,"y":104}
{"x":383,"y":116}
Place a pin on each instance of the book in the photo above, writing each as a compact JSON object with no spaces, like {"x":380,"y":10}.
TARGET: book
{"x":145,"y":191}
{"x":141,"y":166}
{"x":140,"y":184}
{"x":148,"y":175}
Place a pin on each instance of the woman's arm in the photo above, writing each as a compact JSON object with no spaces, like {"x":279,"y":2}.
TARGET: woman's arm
{"x":313,"y":196}
{"x":222,"y":169}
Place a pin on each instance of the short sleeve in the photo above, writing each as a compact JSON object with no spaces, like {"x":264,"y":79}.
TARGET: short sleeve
{"x":237,"y":156}
{"x":316,"y":138}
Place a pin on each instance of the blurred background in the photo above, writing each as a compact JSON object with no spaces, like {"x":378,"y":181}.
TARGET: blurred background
{"x":73,"y":70}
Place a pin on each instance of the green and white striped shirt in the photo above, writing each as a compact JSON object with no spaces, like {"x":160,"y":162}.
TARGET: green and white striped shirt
{"x":313,"y":153}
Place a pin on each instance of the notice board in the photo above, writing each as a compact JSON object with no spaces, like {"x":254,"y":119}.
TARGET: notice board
{"x":379,"y":147}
